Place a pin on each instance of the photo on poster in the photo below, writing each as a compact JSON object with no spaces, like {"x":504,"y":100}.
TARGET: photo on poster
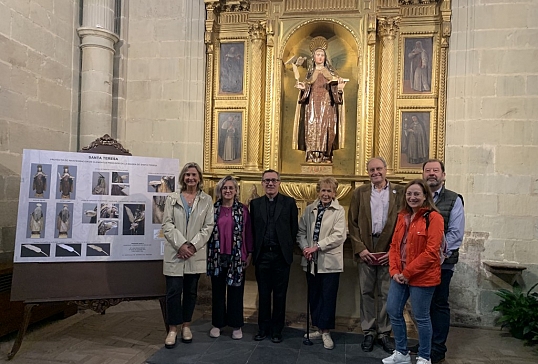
{"x":98,"y":250}
{"x":107,"y":227}
{"x":68,"y":250}
{"x":158,"y":209}
{"x":119,"y":189}
{"x":66,"y":182}
{"x":89,"y":213}
{"x":35,"y":250}
{"x":64,"y":221}
{"x":36,"y":220}
{"x":120,"y":177}
{"x":158,"y":234}
{"x":109,"y":211}
{"x":100,"y":183}
{"x":134,"y":218}
{"x":161,"y":184}
{"x":40,"y":184}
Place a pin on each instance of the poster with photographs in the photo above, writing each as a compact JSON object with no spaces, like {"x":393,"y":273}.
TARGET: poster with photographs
{"x":92,"y":207}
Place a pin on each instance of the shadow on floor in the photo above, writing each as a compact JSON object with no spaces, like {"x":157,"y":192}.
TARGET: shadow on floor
{"x":205,"y":349}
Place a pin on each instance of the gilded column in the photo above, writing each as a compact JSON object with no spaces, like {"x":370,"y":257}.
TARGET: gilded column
{"x":97,"y":43}
{"x":256,"y":98}
{"x":388,"y":28}
{"x":210,"y":43}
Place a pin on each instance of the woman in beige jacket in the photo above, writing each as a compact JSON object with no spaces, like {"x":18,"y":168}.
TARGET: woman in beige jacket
{"x":322,"y":232}
{"x":187,"y":225}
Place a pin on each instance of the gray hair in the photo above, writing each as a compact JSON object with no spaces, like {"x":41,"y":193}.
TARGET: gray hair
{"x":376,"y":158}
{"x":222,"y":182}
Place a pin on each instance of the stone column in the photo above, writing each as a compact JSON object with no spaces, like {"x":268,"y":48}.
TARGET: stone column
{"x":256,"y":104}
{"x":388,"y":28}
{"x":97,"y":43}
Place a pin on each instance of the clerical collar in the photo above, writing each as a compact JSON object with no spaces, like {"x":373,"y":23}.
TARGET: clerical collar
{"x":271,"y":199}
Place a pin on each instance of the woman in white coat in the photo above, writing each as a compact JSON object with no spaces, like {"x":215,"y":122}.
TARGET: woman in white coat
{"x":322,"y":232}
{"x":187,"y":225}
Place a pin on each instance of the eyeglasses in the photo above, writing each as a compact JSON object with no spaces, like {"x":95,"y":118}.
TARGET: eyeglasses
{"x":228,"y":188}
{"x":270,"y":180}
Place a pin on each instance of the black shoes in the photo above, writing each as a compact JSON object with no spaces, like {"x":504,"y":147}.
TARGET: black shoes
{"x":261,"y":335}
{"x":386,"y":343}
{"x":436,"y":359}
{"x":276,"y":338}
{"x":368,"y":343}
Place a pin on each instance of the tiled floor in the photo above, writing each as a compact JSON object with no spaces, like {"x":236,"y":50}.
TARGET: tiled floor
{"x":133,"y":332}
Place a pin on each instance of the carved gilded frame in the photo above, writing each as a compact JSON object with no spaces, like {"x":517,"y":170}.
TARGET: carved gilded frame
{"x":404,"y":63}
{"x":220,"y":115}
{"x":427,"y":119}
{"x":226,"y":46}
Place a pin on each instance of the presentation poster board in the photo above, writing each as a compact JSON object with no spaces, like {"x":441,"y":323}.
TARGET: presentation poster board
{"x":83,"y":207}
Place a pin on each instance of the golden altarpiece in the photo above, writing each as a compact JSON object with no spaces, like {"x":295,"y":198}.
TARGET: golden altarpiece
{"x":392,"y":55}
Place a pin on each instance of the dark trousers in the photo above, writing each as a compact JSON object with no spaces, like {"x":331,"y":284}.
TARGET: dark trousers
{"x":178,"y":311}
{"x":440,"y":315}
{"x":227,"y":302}
{"x":272,"y":275}
{"x":322,"y":290}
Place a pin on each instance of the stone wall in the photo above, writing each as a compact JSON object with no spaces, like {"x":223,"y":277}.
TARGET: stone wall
{"x":165,"y":79}
{"x":492,"y":143}
{"x":38,"y":91}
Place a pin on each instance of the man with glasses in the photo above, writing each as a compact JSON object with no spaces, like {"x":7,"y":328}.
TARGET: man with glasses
{"x":372,"y":217}
{"x":274,"y":227}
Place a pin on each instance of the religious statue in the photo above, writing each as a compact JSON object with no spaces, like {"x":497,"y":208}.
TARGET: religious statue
{"x":100,"y":188}
{"x":40,"y":182}
{"x":63,"y":222}
{"x":420,"y":69}
{"x":319,"y":116}
{"x":37,"y":221}
{"x":66,"y":183}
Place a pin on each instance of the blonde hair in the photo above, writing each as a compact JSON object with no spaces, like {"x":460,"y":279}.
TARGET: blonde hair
{"x":331,"y":181}
{"x":186,"y":167}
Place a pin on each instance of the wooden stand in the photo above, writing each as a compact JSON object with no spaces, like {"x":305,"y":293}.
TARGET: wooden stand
{"x":93,"y":285}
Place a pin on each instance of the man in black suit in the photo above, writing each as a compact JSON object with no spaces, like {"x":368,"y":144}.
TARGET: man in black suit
{"x":274,"y":226}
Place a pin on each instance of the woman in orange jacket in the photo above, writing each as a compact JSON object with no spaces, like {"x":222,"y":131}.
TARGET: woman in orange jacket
{"x":415,"y":268}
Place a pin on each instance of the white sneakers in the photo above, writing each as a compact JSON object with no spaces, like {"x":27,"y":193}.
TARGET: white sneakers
{"x":326,"y":337}
{"x":399,"y":358}
{"x":313,"y":335}
{"x":423,"y":361}
{"x":237,"y":334}
{"x":327,"y":341}
{"x":214,"y":332}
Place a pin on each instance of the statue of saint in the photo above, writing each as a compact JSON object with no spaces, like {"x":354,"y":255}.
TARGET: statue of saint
{"x":40,"y":182}
{"x":37,"y":222}
{"x":63,"y":222}
{"x":319,"y":116}
{"x":66,"y":183}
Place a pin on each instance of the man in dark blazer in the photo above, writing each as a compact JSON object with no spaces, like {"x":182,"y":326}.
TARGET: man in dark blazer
{"x":372,"y":216}
{"x":274,"y":227}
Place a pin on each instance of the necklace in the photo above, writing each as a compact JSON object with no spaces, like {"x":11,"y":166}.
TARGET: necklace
{"x":226,"y":210}
{"x":189,"y":198}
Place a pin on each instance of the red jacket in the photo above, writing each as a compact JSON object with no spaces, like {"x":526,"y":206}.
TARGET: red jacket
{"x":423,"y":263}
